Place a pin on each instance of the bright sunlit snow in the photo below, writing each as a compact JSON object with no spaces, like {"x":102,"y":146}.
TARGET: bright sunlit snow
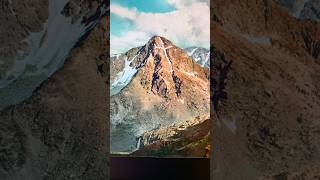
{"x":123,"y":77}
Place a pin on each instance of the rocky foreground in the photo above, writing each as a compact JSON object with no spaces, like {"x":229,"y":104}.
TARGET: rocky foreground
{"x":61,"y":131}
{"x":186,"y":139}
{"x":265,"y":77}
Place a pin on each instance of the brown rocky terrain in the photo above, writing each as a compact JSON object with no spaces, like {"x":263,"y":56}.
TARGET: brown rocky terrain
{"x":265,"y":92}
{"x":185,"y":139}
{"x":20,"y":18}
{"x":168,"y":86}
{"x":81,"y":9}
{"x":61,"y":131}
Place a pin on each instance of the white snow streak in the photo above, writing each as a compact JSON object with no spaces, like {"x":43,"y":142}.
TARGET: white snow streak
{"x":123,"y":77}
{"x":165,"y":53}
{"x":190,"y":73}
{"x":206,"y":60}
{"x":263,"y":40}
{"x":191,"y":53}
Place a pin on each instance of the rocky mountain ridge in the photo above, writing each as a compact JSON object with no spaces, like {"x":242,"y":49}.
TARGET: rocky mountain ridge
{"x":165,"y":85}
{"x":200,"y":55}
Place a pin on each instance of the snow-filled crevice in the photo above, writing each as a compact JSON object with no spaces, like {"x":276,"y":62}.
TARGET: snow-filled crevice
{"x":165,"y":53}
{"x":206,"y":60}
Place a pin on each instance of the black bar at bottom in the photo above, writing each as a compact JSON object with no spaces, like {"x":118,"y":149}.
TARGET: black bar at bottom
{"x":148,"y":168}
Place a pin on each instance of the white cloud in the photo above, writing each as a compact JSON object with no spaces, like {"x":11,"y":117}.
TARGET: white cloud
{"x":187,"y":26}
{"x":127,"y":41}
{"x":183,"y":3}
{"x":123,"y":11}
{"x":180,"y":3}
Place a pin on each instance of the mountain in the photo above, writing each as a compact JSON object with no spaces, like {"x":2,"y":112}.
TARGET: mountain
{"x":64,"y":118}
{"x":185,"y":139}
{"x":265,"y":92}
{"x":154,"y":86}
{"x":200,"y":55}
{"x":303,"y":9}
{"x":38,"y":36}
{"x":118,"y":63}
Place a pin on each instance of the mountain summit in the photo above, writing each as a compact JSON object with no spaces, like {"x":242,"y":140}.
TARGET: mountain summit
{"x":156,"y":85}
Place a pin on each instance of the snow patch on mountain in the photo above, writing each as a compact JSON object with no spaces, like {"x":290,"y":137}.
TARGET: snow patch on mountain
{"x":124,"y":77}
{"x":200,"y":55}
{"x":192,"y":51}
{"x":190,"y":73}
{"x":262,"y":40}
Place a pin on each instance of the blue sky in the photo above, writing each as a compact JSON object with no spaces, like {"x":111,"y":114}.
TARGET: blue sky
{"x":146,"y":5}
{"x":120,"y":24}
{"x":133,"y":22}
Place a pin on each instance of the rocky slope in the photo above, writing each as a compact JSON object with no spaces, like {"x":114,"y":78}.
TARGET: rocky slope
{"x":185,"y":139}
{"x":64,"y":119}
{"x":37,"y":37}
{"x":265,"y":92}
{"x":160,"y":84}
{"x":200,"y":55}
{"x":303,"y":9}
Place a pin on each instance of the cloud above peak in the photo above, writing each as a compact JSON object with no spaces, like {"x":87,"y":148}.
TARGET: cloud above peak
{"x":187,"y":25}
{"x":124,"y":12}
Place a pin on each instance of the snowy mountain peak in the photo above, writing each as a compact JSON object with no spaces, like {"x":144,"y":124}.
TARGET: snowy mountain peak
{"x":159,"y":40}
{"x":158,"y":83}
{"x":200,"y":55}
{"x":165,"y":62}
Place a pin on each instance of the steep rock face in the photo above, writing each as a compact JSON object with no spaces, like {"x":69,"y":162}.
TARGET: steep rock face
{"x":64,"y":119}
{"x":265,"y":91}
{"x":166,"y":85}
